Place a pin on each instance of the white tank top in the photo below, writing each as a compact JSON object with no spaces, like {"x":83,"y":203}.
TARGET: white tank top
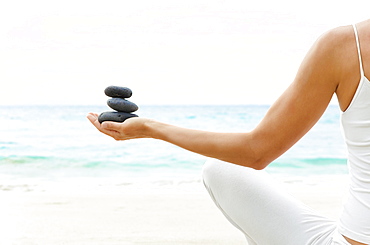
{"x":355,"y":219}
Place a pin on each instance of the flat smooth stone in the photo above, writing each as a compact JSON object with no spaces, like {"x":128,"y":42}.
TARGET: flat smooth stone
{"x":117,"y":91}
{"x":115,"y":116}
{"x":122,"y":105}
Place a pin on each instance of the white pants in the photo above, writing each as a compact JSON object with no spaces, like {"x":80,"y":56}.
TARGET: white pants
{"x":263,"y":212}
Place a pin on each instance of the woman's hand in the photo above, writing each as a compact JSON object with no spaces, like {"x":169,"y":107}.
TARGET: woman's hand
{"x":132,"y":128}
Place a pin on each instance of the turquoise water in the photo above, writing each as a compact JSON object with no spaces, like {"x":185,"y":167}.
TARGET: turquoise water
{"x":56,"y":142}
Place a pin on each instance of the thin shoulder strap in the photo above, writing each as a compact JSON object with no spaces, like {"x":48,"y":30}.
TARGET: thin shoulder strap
{"x":358,"y":50}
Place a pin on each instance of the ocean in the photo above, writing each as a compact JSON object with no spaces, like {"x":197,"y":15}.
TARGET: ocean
{"x":58,"y":144}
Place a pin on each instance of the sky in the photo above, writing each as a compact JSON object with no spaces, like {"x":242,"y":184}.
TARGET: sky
{"x":166,"y":51}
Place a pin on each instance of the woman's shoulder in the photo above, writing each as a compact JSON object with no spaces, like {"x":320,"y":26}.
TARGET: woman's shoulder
{"x":337,"y":40}
{"x":332,"y":50}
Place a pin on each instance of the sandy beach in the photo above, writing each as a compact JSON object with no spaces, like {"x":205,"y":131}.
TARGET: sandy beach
{"x":176,"y":213}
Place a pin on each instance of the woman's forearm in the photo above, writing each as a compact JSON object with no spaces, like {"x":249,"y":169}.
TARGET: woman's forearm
{"x":230,"y":147}
{"x":238,"y":148}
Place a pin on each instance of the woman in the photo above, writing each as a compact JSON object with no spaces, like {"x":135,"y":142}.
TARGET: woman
{"x":335,"y":64}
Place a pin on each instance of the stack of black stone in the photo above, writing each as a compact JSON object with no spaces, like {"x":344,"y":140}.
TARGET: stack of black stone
{"x":118,"y":102}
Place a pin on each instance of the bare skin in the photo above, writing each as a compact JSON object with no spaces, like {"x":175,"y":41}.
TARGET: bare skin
{"x":330,"y":67}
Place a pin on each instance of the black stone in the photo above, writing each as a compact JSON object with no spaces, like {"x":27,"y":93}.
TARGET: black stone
{"x":116,"y":91}
{"x":114,"y":116}
{"x":122,"y":105}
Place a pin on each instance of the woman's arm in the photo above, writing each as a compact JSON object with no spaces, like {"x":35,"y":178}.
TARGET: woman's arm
{"x":290,"y":117}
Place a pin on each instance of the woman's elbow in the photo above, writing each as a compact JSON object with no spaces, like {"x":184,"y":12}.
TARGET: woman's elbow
{"x":257,"y":162}
{"x":262,"y":164}
{"x":254,"y":155}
